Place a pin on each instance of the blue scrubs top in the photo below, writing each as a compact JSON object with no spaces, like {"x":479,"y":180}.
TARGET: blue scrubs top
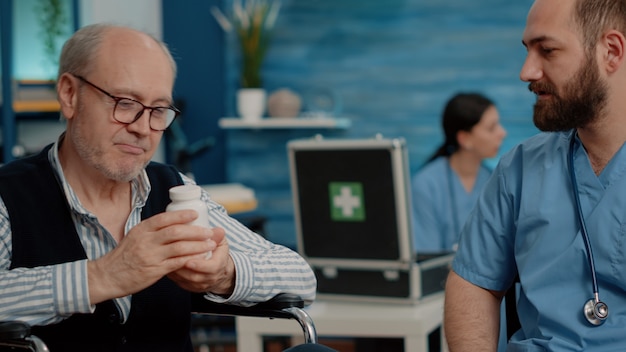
{"x":441,"y":205}
{"x":526,"y":221}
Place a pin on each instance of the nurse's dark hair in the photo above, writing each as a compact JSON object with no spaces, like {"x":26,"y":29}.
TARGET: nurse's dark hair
{"x":594,"y":17}
{"x":461,"y":113}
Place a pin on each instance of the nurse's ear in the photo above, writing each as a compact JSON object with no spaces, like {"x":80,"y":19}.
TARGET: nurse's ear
{"x":465,"y":140}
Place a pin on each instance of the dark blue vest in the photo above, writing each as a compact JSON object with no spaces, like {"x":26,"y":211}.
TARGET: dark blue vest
{"x":44,"y":234}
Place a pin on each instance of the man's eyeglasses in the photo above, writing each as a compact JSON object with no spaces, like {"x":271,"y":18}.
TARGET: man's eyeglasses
{"x":128,"y":110}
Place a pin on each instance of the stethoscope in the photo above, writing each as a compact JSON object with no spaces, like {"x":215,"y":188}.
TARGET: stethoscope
{"x":594,"y":309}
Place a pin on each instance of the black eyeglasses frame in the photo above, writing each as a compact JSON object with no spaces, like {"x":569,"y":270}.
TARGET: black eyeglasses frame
{"x":140,"y":113}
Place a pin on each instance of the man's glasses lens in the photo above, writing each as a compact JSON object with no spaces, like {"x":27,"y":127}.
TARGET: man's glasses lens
{"x":128,"y":111}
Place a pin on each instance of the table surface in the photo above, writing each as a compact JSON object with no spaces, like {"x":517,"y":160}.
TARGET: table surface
{"x":346,"y":319}
{"x":235,"y":197}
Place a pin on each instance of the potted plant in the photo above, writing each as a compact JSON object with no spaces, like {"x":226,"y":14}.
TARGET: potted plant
{"x":53,"y":20}
{"x":252,"y":21}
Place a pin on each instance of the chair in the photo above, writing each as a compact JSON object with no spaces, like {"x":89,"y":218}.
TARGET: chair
{"x":180,"y":151}
{"x":16,"y":336}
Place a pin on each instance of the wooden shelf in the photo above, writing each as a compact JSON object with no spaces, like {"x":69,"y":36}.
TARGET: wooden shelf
{"x":284,"y":123}
{"x":20,"y":106}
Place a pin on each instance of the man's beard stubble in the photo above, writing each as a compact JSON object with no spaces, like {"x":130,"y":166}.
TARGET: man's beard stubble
{"x":95,"y":157}
{"x":582,"y":102}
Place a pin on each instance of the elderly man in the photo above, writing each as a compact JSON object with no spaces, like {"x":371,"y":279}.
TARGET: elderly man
{"x":87,"y":254}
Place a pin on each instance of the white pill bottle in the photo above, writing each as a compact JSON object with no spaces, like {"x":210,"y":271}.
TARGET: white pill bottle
{"x":188,"y":197}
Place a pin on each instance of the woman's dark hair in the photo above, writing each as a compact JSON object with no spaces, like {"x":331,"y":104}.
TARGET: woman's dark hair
{"x":462,"y":112}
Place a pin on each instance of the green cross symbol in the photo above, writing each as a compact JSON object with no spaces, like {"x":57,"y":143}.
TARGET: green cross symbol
{"x":346,"y":201}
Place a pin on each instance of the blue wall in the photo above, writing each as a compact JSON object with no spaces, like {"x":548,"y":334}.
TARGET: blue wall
{"x":393,"y":64}
{"x":197,"y":44}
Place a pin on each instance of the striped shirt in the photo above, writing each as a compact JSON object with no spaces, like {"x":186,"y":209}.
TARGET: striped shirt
{"x":49,"y":294}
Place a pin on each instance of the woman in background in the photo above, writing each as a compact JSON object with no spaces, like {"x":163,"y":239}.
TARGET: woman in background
{"x":448,"y":185}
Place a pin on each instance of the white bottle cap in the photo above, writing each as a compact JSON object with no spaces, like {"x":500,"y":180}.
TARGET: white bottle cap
{"x":185,"y":192}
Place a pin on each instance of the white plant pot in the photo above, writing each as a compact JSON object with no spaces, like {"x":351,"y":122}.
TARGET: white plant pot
{"x":251,"y":103}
